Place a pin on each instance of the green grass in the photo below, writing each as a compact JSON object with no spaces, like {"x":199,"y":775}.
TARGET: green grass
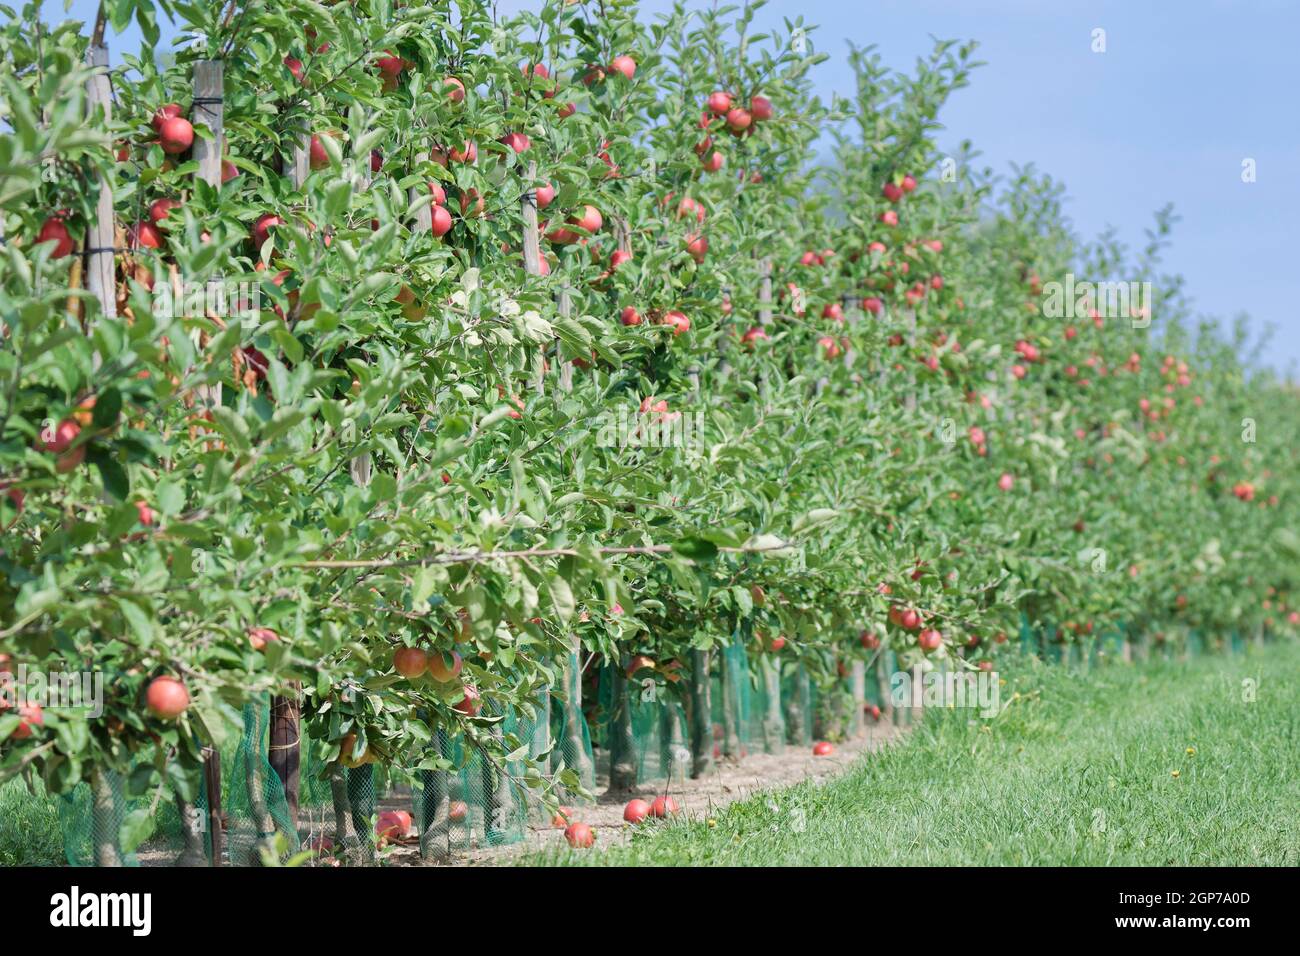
{"x":29,"y":827}
{"x":1077,"y":770}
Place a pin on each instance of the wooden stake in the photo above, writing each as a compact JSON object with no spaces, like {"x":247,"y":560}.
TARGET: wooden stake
{"x":99,"y":240}
{"x":284,"y":749}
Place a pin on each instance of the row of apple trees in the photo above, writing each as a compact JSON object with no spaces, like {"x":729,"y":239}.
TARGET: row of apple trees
{"x":764,"y":366}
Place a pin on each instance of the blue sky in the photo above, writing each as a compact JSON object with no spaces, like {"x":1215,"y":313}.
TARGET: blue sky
{"x":1184,"y":92}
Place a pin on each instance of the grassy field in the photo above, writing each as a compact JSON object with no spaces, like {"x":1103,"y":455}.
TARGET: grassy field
{"x":1163,"y":764}
{"x":29,"y":827}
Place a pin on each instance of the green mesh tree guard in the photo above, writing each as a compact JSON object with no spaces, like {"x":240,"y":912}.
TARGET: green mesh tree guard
{"x":647,"y":736}
{"x":479,"y":802}
{"x":101,"y":821}
{"x":732,"y":702}
{"x":254,"y":806}
{"x":570,"y":731}
{"x":797,"y":693}
{"x":92,"y":815}
{"x":568,"y":725}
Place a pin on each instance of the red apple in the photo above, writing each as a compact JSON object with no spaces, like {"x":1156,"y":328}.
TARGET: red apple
{"x":720,"y":102}
{"x":410,"y":662}
{"x":441,"y":221}
{"x":630,"y":316}
{"x":392,"y":824}
{"x":469,"y":703}
{"x":760,"y":107}
{"x":259,"y":637}
{"x":454,"y":88}
{"x":30,"y":715}
{"x":440,"y":670}
{"x":1007,"y":481}
{"x":545,"y":195}
{"x":697,"y":245}
{"x":261,"y":230}
{"x":175,"y":135}
{"x":623,"y":64}
{"x":678,"y":321}
{"x":893,"y":192}
{"x":163,"y":114}
{"x":590,"y":220}
{"x":579,"y":835}
{"x":159,"y":209}
{"x":167,"y":698}
{"x":738,"y":120}
{"x":54,"y":230}
{"x":318,"y":158}
{"x":65,"y":433}
{"x":144,"y":235}
{"x":930,"y":640}
{"x":663,"y":807}
{"x":636,"y":811}
{"x":516,"y":141}
{"x":823,"y":749}
{"x":713,"y":162}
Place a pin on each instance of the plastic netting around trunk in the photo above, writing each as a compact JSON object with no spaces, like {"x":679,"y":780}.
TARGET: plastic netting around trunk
{"x":799,"y":698}
{"x":568,"y":729}
{"x":643,"y":734}
{"x":733,"y":702}
{"x":108,"y":821}
{"x":254,"y":809}
{"x":479,"y":802}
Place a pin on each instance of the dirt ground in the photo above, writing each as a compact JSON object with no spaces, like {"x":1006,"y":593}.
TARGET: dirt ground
{"x":698,"y":799}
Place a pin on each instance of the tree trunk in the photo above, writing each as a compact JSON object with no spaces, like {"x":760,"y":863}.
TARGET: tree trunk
{"x":212,"y":791}
{"x":676,"y":756}
{"x":435,"y":806}
{"x":622,"y":745}
{"x":773,"y":719}
{"x":858,"y":690}
{"x":255,"y":781}
{"x":574,"y":741}
{"x":193,"y":850}
{"x":105,"y":818}
{"x":701,"y":715}
{"x":496,"y":790}
{"x":796,"y":709}
{"x":730,"y":711}
{"x":283,"y":752}
{"x":361,"y":805}
{"x":343,"y":834}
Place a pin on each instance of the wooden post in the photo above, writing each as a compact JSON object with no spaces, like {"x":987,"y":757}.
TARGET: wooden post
{"x":284,"y":751}
{"x":99,"y":244}
{"x":360,"y":466}
{"x":209,"y":83}
{"x":909,"y":400}
{"x":564,"y":305}
{"x":532,"y":247}
{"x":207,"y":110}
{"x":764,"y":309}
